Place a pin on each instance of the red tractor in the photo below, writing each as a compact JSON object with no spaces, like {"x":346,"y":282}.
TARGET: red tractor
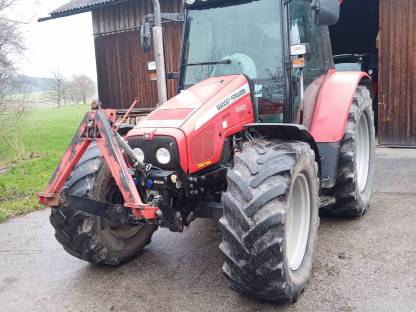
{"x":263,"y":133}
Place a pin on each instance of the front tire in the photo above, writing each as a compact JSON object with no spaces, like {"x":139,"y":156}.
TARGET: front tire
{"x":271,"y":219}
{"x":91,"y":238}
{"x":353,"y":188}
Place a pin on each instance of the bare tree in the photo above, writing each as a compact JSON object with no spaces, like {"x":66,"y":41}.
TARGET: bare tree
{"x":10,"y":37}
{"x":11,"y":44}
{"x":81,"y":88}
{"x":59,"y":86}
{"x":13,"y":111}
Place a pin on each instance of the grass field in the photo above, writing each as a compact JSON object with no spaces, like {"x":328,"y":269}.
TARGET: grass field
{"x":47,"y":135}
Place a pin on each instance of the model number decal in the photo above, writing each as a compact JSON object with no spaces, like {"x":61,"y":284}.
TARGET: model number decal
{"x":241,"y":108}
{"x":214,"y":110}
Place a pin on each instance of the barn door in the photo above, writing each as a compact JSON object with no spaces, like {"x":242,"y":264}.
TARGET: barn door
{"x":122,"y":73}
{"x":397,"y":73}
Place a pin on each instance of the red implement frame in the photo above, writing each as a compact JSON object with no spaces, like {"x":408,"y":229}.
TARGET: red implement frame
{"x":96,"y":127}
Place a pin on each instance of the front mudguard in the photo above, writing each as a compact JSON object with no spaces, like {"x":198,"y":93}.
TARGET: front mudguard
{"x":326,"y":154}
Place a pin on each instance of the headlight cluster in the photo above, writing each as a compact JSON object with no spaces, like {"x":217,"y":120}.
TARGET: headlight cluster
{"x":162,"y":155}
{"x":161,"y":151}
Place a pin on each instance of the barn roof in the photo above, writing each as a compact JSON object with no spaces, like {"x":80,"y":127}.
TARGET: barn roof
{"x":79,"y":6}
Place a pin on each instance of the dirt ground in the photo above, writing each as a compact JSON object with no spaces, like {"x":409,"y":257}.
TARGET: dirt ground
{"x":361,"y":265}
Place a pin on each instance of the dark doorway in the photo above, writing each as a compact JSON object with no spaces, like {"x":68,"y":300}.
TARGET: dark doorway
{"x":356,"y":32}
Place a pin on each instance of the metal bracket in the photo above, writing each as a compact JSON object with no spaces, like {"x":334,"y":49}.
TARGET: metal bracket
{"x":171,"y":17}
{"x":105,"y":210}
{"x":173,"y":75}
{"x":96,"y":127}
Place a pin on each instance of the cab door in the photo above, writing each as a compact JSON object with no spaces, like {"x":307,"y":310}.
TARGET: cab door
{"x":318,"y":61}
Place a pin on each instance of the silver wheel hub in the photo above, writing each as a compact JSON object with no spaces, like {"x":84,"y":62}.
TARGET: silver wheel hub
{"x":362,"y":152}
{"x":298,"y":222}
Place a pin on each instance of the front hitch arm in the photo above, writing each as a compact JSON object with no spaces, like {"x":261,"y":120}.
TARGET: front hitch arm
{"x":96,"y":127}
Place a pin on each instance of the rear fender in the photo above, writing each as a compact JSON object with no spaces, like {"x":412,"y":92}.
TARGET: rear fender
{"x":333,"y":105}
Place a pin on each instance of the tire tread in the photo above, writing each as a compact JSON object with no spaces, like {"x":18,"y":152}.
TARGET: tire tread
{"x":253,"y":228}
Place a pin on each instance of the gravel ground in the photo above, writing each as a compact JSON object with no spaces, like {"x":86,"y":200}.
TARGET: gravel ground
{"x":361,"y":265}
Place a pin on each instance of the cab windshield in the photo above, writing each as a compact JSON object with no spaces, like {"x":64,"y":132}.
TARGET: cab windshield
{"x":240,"y":38}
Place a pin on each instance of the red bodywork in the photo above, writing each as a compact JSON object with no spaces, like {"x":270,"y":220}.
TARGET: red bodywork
{"x":201,"y":118}
{"x":200,"y":129}
{"x":333,"y":105}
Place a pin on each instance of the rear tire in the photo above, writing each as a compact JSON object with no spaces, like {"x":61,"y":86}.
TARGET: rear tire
{"x":89,"y":237}
{"x":268,"y":237}
{"x":353,"y":188}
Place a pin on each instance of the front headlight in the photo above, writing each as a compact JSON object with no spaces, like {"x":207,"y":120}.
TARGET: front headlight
{"x":163,"y":156}
{"x":139,"y":153}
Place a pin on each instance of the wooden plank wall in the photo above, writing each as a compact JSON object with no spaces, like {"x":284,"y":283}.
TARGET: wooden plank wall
{"x":128,"y":15}
{"x":397,"y":73}
{"x":121,"y":64}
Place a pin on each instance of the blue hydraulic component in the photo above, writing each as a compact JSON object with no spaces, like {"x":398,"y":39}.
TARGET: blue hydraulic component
{"x":149,"y":183}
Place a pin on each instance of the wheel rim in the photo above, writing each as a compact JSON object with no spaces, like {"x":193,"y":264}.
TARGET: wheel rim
{"x":298,"y":222}
{"x":362,"y":154}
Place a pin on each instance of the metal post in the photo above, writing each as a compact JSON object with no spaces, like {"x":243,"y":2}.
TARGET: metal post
{"x":162,"y":93}
{"x":302,"y":91}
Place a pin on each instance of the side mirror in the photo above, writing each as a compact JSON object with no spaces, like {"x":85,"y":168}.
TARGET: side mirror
{"x":146,"y":37}
{"x":327,"y":12}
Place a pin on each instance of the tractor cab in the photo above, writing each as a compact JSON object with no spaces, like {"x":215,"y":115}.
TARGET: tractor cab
{"x":237,"y":38}
{"x":261,"y":40}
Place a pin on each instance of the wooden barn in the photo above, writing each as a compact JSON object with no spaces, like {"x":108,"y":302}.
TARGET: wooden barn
{"x":383,"y":29}
{"x":121,"y":64}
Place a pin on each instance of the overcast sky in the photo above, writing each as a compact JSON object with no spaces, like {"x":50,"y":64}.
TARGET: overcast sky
{"x":65,"y":44}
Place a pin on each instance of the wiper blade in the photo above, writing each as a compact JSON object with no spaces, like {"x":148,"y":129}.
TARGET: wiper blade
{"x":226,"y":61}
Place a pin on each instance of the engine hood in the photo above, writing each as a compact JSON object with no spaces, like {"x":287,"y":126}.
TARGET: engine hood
{"x":199,"y":103}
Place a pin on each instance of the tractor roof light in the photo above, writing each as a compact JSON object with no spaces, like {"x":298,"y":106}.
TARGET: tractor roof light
{"x":190,"y":2}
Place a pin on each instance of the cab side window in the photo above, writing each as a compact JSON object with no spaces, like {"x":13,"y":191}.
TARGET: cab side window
{"x":305,"y":30}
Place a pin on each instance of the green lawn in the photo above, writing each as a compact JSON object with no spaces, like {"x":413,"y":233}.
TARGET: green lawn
{"x":47,"y":135}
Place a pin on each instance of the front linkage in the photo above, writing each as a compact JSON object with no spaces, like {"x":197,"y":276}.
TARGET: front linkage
{"x":99,"y":126}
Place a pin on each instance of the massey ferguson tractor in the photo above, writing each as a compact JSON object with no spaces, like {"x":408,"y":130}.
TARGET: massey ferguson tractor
{"x":262,"y":135}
